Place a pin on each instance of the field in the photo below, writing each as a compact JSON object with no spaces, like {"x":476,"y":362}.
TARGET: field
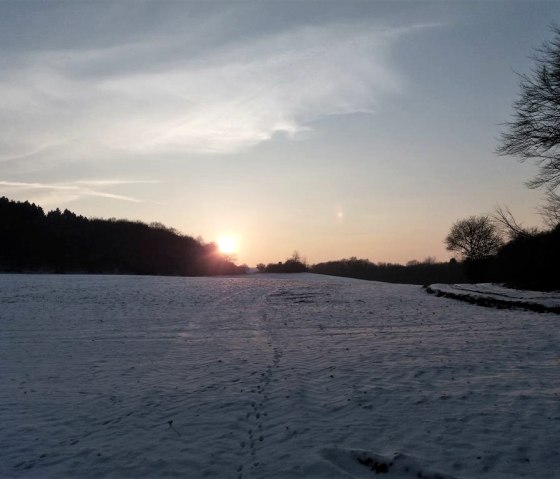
{"x":271,"y":376}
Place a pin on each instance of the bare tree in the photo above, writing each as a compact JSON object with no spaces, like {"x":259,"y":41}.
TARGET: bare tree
{"x":534,"y":132}
{"x":506,"y":221}
{"x":297,"y":258}
{"x":550,"y":211}
{"x":474,"y":238}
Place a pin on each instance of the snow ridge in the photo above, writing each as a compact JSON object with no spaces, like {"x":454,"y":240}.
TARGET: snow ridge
{"x":498,"y":296}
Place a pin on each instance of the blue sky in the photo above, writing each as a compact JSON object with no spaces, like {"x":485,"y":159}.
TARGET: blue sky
{"x":335,"y":128}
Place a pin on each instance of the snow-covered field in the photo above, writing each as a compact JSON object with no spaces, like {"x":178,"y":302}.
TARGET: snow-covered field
{"x":271,"y":377}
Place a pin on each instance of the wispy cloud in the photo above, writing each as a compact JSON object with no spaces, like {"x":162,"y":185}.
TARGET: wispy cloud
{"x":60,"y":193}
{"x":233,"y":97}
{"x":37,"y":186}
{"x":114,"y":182}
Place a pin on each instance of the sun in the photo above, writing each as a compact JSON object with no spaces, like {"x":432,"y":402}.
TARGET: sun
{"x":227,"y":244}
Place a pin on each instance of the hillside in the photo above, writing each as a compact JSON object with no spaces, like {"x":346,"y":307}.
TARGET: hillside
{"x":63,"y":242}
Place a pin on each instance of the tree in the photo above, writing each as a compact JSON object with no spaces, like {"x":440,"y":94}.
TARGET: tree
{"x":294,"y":264}
{"x":64,"y":242}
{"x":550,"y":211}
{"x":505,"y":219}
{"x":534,"y":132}
{"x":474,"y":238}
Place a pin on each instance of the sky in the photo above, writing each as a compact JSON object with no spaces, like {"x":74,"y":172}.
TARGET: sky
{"x":334,"y":128}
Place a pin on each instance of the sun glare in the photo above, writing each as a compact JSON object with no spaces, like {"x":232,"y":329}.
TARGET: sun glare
{"x":227,"y":245}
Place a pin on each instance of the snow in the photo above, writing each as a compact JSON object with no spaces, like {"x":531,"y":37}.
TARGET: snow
{"x":271,"y":376}
{"x":498,"y":295}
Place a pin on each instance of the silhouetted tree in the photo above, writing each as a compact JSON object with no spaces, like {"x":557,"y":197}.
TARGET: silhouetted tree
{"x":294,"y":264}
{"x":512,"y":228}
{"x":531,"y":262}
{"x":534,"y":132}
{"x":63,"y":242}
{"x":474,"y":238}
{"x":550,"y":211}
{"x":415,"y":272}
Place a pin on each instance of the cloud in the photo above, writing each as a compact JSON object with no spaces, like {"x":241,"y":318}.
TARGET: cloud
{"x":60,"y":193}
{"x":80,"y":104}
{"x":114,"y":182}
{"x":36,"y":186}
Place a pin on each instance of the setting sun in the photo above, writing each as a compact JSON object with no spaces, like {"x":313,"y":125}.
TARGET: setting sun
{"x":227,"y":245}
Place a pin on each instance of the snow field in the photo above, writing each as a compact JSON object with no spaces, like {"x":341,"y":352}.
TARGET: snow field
{"x":270,"y":376}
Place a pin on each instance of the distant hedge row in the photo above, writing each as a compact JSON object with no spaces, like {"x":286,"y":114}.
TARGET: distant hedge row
{"x":413,"y":273}
{"x":526,"y":262}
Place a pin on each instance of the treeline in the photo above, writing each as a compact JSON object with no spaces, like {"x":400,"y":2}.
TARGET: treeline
{"x":294,"y":264}
{"x":414,"y":272}
{"x":500,"y":250}
{"x":63,"y":242}
{"x":530,"y":261}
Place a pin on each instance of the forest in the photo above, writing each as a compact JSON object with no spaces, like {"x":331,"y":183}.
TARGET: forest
{"x":63,"y":242}
{"x":526,"y":261}
{"x":414,"y":272}
{"x":490,"y":250}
